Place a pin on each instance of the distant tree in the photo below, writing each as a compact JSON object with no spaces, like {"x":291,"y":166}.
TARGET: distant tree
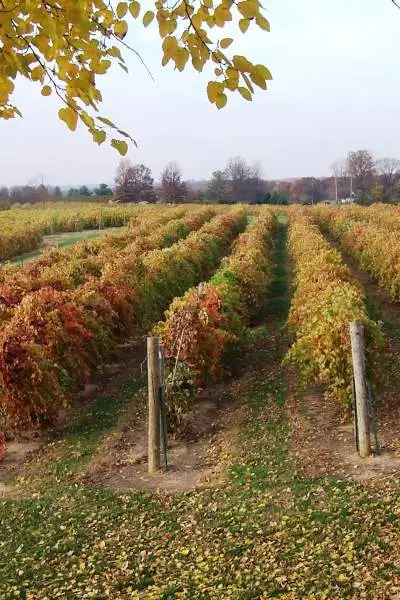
{"x":217,"y":189}
{"x":340,"y":179}
{"x":28,"y":194}
{"x":84,"y":191}
{"x":378,"y":192}
{"x":173,"y":188}
{"x":276,"y":198}
{"x":4,"y":193}
{"x":361,"y":166}
{"x":388,"y":170}
{"x":133,"y":183}
{"x":72,"y":192}
{"x":57,"y":193}
{"x":195,"y":196}
{"x":363,"y":199}
{"x":103,"y":190}
{"x":244,"y":182}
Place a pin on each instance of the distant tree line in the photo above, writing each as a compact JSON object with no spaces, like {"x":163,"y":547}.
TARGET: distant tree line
{"x":34,"y":194}
{"x":238,"y":182}
{"x":358,"y":177}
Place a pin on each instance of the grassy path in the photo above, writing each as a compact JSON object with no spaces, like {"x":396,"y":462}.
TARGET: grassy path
{"x":62,"y":240}
{"x":266,"y":533}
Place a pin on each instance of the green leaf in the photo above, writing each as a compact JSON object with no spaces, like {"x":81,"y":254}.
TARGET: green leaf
{"x":120,"y":145}
{"x":263,"y":71}
{"x":147,"y":18}
{"x":244,"y":25}
{"x":106,"y":121}
{"x":245,"y":93}
{"x":99,"y":136}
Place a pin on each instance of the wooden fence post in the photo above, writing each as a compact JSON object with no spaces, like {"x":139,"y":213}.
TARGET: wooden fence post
{"x":153,"y":374}
{"x":360,"y":385}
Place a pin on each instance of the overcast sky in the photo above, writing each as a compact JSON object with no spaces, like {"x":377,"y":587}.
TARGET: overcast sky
{"x":336,"y":87}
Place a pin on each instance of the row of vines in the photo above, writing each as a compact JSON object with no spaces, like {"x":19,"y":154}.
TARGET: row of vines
{"x":51,"y":339}
{"x":374,"y":242}
{"x":207,"y":323}
{"x":326,"y":299}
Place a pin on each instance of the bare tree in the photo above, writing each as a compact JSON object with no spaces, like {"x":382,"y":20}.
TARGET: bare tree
{"x":361,"y":167}
{"x":388,"y":170}
{"x":173,"y":188}
{"x":133,"y":183}
{"x":244,"y":181}
{"x":339,"y":172}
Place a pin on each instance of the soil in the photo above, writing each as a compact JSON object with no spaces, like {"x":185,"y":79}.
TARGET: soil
{"x":200,"y":457}
{"x":324,"y":445}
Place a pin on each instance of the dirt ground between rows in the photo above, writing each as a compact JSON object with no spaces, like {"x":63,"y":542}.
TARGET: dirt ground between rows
{"x":198,"y":458}
{"x":324,"y":442}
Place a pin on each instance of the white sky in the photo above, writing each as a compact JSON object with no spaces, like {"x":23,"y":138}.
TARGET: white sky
{"x":336,"y":88}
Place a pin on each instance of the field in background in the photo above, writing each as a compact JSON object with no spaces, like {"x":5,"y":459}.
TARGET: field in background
{"x":62,"y":240}
{"x":22,"y":229}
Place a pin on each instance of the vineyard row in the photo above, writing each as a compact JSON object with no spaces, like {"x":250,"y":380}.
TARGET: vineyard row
{"x":54,"y":339}
{"x":375,"y":247}
{"x":326,"y":299}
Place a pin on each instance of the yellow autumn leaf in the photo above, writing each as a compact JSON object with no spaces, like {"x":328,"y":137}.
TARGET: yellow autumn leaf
{"x":262,"y":22}
{"x":37,"y":73}
{"x":122,"y":9}
{"x":226,"y":42}
{"x":87,"y":120}
{"x":102,"y":544}
{"x":231,"y":84}
{"x":120,"y":29}
{"x":114,"y":52}
{"x":241,"y":63}
{"x":263,"y":71}
{"x":221,"y":100}
{"x":147,"y":18}
{"x":244,"y":25}
{"x":258,"y":80}
{"x":46,"y":90}
{"x":214,"y":88}
{"x":69,"y":116}
{"x":120,"y":145}
{"x":134,"y":9}
{"x":245,"y":93}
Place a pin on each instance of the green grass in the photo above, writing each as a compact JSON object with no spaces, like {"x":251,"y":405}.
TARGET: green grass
{"x":266,"y":533}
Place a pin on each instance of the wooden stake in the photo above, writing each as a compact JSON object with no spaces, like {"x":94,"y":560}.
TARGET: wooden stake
{"x":153,"y":371}
{"x":360,"y":384}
